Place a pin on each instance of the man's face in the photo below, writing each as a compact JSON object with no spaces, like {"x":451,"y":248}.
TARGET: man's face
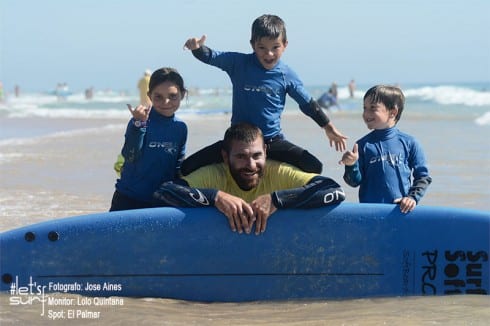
{"x":246,"y":162}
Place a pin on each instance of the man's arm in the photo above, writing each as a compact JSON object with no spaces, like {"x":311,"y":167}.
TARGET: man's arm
{"x":319,"y":191}
{"x":181,"y":195}
{"x":239,"y":213}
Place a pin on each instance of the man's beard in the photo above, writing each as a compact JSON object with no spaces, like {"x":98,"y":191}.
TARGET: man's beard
{"x":246,"y":184}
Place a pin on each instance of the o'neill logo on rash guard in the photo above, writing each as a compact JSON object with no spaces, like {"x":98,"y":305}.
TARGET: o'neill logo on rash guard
{"x":263,"y":89}
{"x":393,"y":159}
{"x":168,"y":147}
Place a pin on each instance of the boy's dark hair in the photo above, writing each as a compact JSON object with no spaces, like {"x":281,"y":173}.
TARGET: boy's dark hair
{"x":167,"y":74}
{"x":244,"y":132}
{"x":270,"y":26}
{"x":392,"y":97}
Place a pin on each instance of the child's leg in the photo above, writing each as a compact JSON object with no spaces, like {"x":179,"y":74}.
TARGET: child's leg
{"x":208,"y":155}
{"x":122,"y":202}
{"x":284,"y":151}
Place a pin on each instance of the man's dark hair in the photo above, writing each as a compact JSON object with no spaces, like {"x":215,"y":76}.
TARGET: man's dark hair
{"x":244,"y":132}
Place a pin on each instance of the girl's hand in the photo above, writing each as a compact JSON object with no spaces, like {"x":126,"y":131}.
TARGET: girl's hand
{"x":140,"y":113}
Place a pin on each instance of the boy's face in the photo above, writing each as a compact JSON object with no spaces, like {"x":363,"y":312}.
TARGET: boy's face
{"x":377,"y":116}
{"x":269,"y":51}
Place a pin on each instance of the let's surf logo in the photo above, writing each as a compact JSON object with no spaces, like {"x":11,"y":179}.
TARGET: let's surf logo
{"x":60,"y":307}
{"x":454,"y":272}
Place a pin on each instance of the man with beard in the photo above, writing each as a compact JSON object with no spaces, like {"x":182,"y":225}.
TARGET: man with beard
{"x":246,"y":187}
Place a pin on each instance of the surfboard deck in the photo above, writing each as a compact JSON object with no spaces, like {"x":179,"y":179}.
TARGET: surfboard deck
{"x":338,"y":252}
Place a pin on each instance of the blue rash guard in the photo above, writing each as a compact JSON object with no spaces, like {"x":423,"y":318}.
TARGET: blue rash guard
{"x":153,"y":155}
{"x":259,"y":95}
{"x":388,"y":160}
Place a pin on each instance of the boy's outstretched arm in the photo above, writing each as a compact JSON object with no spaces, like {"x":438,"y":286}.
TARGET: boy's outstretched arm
{"x":335,"y":137}
{"x":194,"y":43}
{"x":199,"y":50}
{"x":314,"y":111}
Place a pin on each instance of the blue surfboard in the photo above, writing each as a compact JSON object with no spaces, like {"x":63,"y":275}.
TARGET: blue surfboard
{"x":343,"y":251}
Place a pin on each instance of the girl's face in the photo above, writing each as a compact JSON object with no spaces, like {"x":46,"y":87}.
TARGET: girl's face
{"x":166,"y":98}
{"x":377,"y":116}
{"x":269,"y":51}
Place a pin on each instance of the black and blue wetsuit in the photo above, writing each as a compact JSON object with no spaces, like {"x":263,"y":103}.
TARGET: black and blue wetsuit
{"x":153,"y":155}
{"x":259,"y":97}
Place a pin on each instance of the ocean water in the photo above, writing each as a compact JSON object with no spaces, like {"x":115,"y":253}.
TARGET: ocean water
{"x":447,"y":100}
{"x":56,"y":160}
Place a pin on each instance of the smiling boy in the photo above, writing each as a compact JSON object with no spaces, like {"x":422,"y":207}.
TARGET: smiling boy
{"x":261,"y":82}
{"x":387,"y":164}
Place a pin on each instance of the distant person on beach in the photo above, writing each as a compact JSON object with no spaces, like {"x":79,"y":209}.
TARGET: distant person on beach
{"x":154,"y":145}
{"x":388,"y":165}
{"x":261,"y":82}
{"x":143,"y":85}
{"x":329,"y":98}
{"x":334,"y":91}
{"x":17,"y":90}
{"x":352,"y":88}
{"x":246,"y":187}
{"x":62,"y":91}
{"x":89,"y":93}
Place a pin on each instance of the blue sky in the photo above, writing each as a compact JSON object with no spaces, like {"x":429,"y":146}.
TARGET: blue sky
{"x":108,"y":44}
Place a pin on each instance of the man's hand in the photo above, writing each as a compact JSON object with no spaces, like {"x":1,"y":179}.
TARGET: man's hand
{"x":335,"y":137}
{"x":239,"y":213}
{"x":194,"y":43}
{"x":407,"y":204}
{"x":263,"y":208}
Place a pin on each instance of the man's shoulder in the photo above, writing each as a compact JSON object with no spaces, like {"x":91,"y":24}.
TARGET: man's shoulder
{"x":278,"y":168}
{"x":276,"y":165}
{"x":218,"y":168}
{"x":206,"y":176}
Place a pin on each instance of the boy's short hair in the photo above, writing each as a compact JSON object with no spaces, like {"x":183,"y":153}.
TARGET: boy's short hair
{"x":270,"y":26}
{"x":243,"y":132}
{"x":391,"y":96}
